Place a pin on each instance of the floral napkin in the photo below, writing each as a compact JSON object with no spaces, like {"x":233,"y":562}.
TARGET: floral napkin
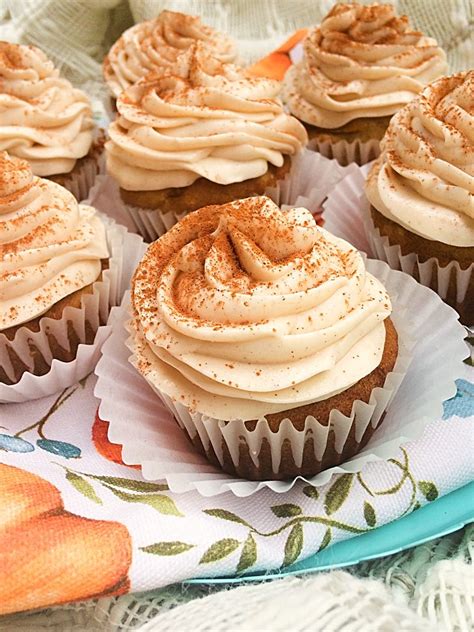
{"x":76,"y":523}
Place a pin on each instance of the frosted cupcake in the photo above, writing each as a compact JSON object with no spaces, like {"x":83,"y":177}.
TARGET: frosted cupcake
{"x":263,"y":334}
{"x":45,"y":120}
{"x":421,"y":192}
{"x":360,"y":66}
{"x":156,"y":44}
{"x":205,"y":133}
{"x":53,"y":256}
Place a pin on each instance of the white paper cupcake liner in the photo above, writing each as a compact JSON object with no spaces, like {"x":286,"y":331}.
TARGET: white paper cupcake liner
{"x":150,"y":438}
{"x":125,"y":251}
{"x":358,"y":152}
{"x":347,"y":214}
{"x":309,"y":182}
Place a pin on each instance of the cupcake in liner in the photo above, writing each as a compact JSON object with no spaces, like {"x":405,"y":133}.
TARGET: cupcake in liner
{"x":436,"y":345}
{"x":308,"y":184}
{"x":204,"y":133}
{"x":47,"y":121}
{"x":349,"y":82}
{"x":421,"y":192}
{"x":45,"y":352}
{"x":256,"y":326}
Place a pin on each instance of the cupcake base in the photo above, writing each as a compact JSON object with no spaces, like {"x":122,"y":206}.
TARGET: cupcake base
{"x":356,"y":142}
{"x":203,"y":192}
{"x":260,"y":465}
{"x":458,"y":293}
{"x":64,"y":351}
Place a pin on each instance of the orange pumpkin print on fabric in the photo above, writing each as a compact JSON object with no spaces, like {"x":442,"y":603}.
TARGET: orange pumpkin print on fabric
{"x":42,"y":544}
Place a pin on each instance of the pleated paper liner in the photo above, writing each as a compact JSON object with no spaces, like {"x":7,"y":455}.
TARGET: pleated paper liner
{"x":125,"y":251}
{"x":150,"y":437}
{"x":309,"y":182}
{"x":347,"y":215}
{"x":346,"y":153}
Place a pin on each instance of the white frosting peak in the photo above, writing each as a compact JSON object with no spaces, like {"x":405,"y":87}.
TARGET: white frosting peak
{"x":203,"y":119}
{"x":425,"y":178}
{"x":242,"y":310}
{"x":157,"y":44}
{"x":43,"y":119}
{"x":362,"y":61}
{"x":50,"y":246}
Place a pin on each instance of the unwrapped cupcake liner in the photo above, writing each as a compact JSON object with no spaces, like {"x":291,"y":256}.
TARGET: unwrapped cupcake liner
{"x":125,"y":251}
{"x":163,"y":451}
{"x":345,"y":152}
{"x":347,"y":212}
{"x":309,"y":182}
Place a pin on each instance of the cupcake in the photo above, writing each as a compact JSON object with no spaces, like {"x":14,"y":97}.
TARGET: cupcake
{"x":421,"y":192}
{"x":203,"y":133}
{"x":156,"y":45}
{"x":360,"y":66}
{"x":53,"y":255}
{"x":265,"y":336}
{"x":47,"y":121}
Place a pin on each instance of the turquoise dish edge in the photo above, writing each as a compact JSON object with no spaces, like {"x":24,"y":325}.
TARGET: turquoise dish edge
{"x":440,"y":517}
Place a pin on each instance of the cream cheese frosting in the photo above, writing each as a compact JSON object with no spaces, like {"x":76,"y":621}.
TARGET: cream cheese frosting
{"x":204,"y":119}
{"x":43,"y":118}
{"x":424,"y":180}
{"x":156,"y":44}
{"x":242,"y":310}
{"x":50,"y":246}
{"x":360,"y":62}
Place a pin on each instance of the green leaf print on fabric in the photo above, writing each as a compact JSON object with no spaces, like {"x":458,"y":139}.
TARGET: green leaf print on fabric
{"x":248,"y":557}
{"x":428,"y":489}
{"x":160,"y":502}
{"x":294,"y":544}
{"x":226,"y":515}
{"x":369,"y":514}
{"x":338,"y":493}
{"x":219,"y":550}
{"x":83,"y":486}
{"x":128,"y":483}
{"x":167,"y":548}
{"x":326,"y":540}
{"x":286,"y":510}
{"x":311,"y":492}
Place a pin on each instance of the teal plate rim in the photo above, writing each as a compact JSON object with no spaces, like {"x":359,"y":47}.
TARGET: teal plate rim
{"x":440,"y":517}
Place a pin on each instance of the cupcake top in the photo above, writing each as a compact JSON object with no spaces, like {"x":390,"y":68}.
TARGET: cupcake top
{"x":242,"y":310}
{"x":360,"y":62}
{"x":424,"y":180}
{"x":201,"y":119}
{"x":43,"y":119}
{"x":50,"y":246}
{"x":156,"y":44}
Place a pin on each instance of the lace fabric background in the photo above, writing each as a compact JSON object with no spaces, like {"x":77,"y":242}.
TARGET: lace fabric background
{"x":428,"y":588}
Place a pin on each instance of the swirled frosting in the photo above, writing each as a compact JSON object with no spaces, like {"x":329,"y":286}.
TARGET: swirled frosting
{"x":206,"y":119}
{"x":156,"y":44}
{"x":362,"y":61}
{"x":43,"y":119}
{"x":424,"y":180}
{"x":242,"y":310}
{"x":50,"y":246}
